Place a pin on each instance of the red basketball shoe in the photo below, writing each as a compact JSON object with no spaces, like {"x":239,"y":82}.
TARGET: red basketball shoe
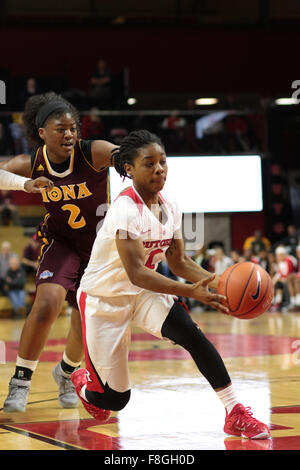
{"x":79,"y":379}
{"x":240,"y":422}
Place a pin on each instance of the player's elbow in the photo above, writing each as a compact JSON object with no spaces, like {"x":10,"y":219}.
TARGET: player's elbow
{"x":133,"y":273}
{"x":177,"y":265}
{"x":136,"y":276}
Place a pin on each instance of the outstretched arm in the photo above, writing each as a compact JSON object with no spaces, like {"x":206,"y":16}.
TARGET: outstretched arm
{"x":183,"y":266}
{"x":20,"y":165}
{"x":131,"y":252}
{"x":10,"y":181}
{"x":102,"y":153}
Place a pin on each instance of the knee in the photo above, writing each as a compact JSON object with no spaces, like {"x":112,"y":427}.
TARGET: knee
{"x":188,"y":335}
{"x":45,"y":310}
{"x":109,"y":399}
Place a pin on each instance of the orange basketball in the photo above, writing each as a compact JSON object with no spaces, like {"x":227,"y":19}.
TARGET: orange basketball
{"x":248,"y":288}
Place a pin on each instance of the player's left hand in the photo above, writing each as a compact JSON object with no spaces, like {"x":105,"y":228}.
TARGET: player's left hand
{"x":215,"y":282}
{"x":36,"y":186}
{"x":200,"y":291}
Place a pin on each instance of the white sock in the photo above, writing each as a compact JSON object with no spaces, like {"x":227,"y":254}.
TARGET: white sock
{"x":26,"y":363}
{"x":298,"y":299}
{"x":293,"y":300}
{"x":22,"y":364}
{"x":69,"y":362}
{"x":278,"y":298}
{"x":228,"y":398}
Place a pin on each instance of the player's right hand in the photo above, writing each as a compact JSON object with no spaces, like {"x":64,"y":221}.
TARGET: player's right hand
{"x":200,"y":292}
{"x":36,"y":185}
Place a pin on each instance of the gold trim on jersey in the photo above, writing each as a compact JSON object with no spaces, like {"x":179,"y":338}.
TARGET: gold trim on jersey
{"x":54,"y":173}
{"x":95,"y":169}
{"x":35,"y":158}
{"x":40,"y":235}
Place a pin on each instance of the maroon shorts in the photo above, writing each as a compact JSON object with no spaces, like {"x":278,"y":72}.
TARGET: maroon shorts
{"x":61,"y":265}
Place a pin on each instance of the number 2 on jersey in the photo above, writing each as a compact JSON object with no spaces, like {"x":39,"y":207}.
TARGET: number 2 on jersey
{"x":74,"y":220}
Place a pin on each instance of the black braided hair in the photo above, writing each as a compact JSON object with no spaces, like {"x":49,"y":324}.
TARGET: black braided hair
{"x":32,"y":107}
{"x":129,"y":148}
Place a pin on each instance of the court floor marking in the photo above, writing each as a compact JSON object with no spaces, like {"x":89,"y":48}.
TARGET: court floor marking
{"x":47,"y":440}
{"x":38,"y":401}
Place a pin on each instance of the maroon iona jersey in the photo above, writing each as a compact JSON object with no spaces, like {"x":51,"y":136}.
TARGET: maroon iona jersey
{"x":79,"y":189}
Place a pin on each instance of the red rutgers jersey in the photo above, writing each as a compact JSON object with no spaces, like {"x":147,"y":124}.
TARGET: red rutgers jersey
{"x":105,"y":275}
{"x":79,"y":189}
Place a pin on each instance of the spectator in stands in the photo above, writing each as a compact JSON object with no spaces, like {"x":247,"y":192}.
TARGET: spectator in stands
{"x":235,"y":256}
{"x":174,"y":131}
{"x":222,"y":261}
{"x":31,"y":88}
{"x":211,"y":258}
{"x":92,"y":126}
{"x":3,"y":140}
{"x":256,"y":243}
{"x":174,"y":121}
{"x":163,"y":268}
{"x":293,"y":281}
{"x":291,"y":241}
{"x":237,"y":138}
{"x":201,"y":258}
{"x":100,"y":81}
{"x":18,"y":135}
{"x":30,"y":257}
{"x":263,"y":260}
{"x":248,"y":256}
{"x":5,"y":255}
{"x":117,"y":135}
{"x":8,"y":211}
{"x":272,"y":263}
{"x":286,"y":265}
{"x":14,"y":285}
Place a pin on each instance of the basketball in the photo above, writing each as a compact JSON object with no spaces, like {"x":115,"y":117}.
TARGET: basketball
{"x":248,"y":288}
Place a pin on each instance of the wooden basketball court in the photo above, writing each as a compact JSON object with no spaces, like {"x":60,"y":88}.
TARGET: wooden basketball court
{"x":171,"y":406}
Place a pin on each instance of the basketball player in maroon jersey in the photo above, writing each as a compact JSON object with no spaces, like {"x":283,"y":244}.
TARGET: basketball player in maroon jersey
{"x":79,"y":172}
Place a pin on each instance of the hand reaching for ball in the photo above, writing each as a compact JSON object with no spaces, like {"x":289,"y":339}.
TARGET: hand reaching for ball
{"x":200,"y":291}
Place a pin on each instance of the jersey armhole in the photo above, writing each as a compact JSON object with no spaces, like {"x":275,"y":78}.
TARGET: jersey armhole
{"x":33,"y":157}
{"x":86,"y":150}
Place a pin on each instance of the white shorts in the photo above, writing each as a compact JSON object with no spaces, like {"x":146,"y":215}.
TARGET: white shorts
{"x":106,"y":332}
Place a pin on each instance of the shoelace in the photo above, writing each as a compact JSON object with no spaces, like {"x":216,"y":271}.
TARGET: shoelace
{"x":18,"y":390}
{"x":67,"y":385}
{"x":249,"y":421}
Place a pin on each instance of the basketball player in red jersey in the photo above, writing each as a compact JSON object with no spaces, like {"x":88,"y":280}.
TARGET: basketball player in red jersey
{"x":121,"y":287}
{"x":79,"y":172}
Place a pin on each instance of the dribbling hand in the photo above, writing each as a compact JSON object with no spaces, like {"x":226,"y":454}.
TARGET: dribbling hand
{"x":200,"y":292}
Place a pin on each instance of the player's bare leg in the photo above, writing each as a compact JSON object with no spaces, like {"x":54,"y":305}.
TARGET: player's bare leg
{"x":71,"y":360}
{"x":74,"y":348}
{"x":45,"y":310}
